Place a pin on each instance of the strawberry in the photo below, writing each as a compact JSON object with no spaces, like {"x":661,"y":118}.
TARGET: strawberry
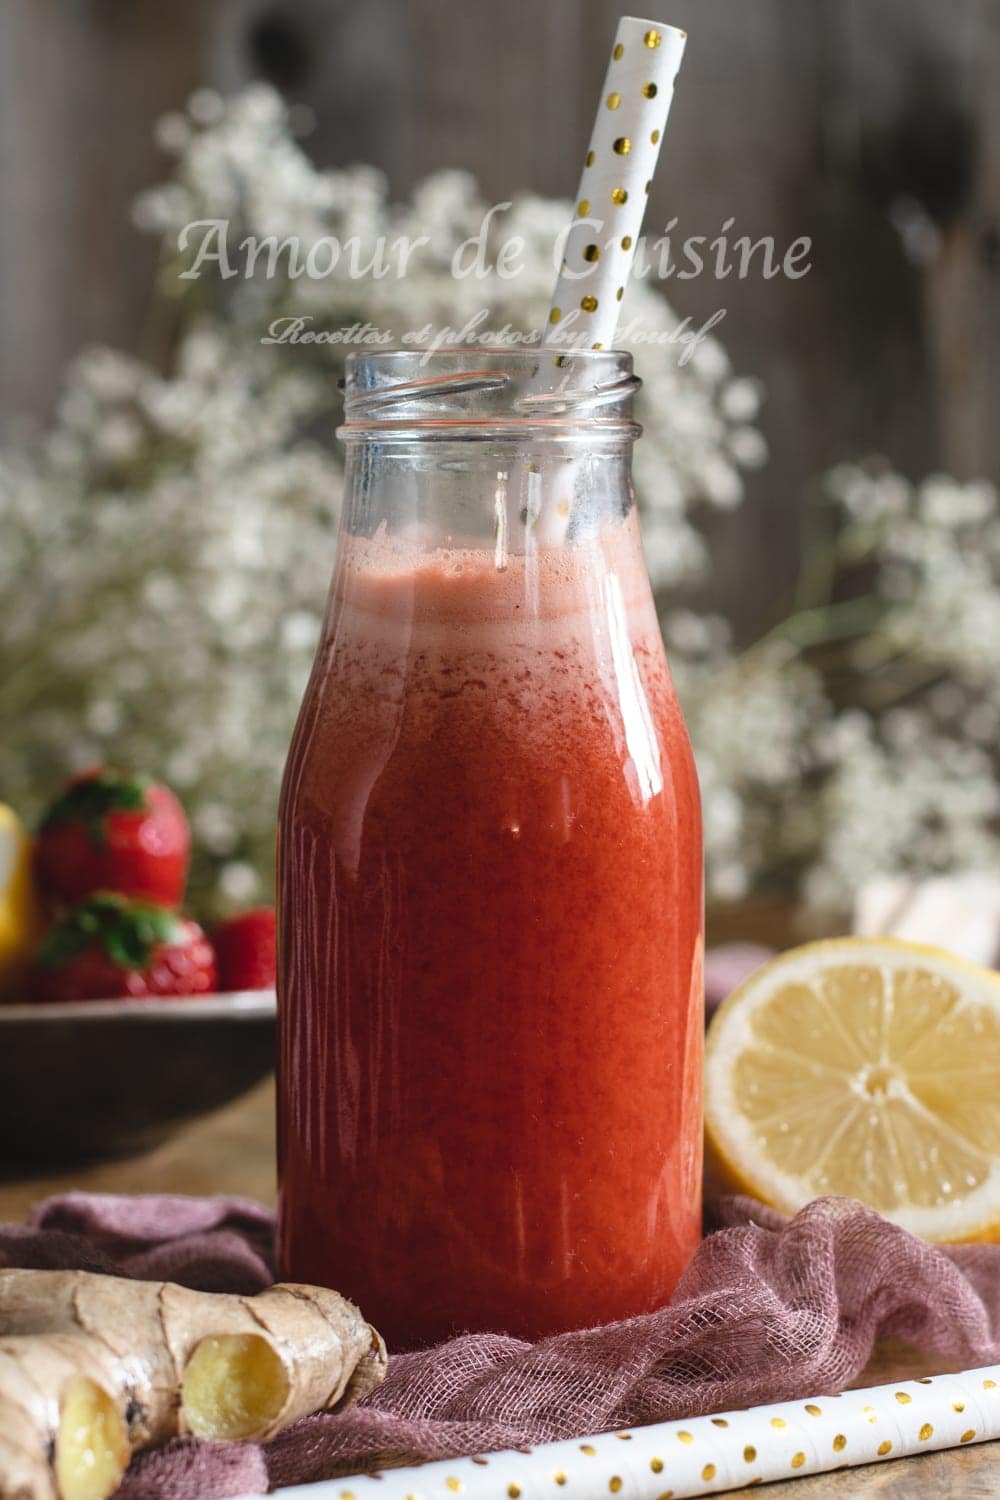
{"x":109,"y":947}
{"x":113,"y":831}
{"x":245,"y":948}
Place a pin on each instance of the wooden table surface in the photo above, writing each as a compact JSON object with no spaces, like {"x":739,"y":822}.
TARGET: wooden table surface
{"x":233,"y":1152}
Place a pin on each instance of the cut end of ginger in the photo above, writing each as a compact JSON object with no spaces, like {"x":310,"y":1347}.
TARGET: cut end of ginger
{"x":92,"y":1447}
{"x":235,"y":1387}
{"x":865,"y":1067}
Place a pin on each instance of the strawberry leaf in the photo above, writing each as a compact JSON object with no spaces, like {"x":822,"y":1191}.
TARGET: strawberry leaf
{"x":125,"y":931}
{"x":91,"y":801}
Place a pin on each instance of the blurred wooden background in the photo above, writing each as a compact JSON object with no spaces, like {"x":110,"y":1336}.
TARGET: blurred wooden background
{"x":871,"y":125}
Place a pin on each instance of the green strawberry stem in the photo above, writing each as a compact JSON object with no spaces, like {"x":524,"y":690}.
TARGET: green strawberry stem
{"x":89,"y":802}
{"x":126,"y":931}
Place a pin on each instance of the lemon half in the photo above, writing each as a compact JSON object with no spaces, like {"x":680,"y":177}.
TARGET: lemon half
{"x":867,"y":1067}
{"x":20,"y":919}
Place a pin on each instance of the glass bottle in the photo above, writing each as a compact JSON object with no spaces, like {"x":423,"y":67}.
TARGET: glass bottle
{"x":490,"y":877}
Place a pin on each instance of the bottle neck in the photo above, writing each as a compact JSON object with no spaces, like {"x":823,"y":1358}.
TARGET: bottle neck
{"x":476,"y":494}
{"x":475,"y":447}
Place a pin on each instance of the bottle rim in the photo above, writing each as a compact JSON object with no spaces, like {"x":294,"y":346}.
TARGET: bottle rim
{"x":489,"y":394}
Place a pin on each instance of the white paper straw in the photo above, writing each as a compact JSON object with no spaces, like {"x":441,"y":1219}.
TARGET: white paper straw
{"x":603,"y":236}
{"x":702,"y":1455}
{"x":615,"y":182}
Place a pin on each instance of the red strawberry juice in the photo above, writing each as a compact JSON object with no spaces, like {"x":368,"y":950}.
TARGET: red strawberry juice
{"x":490,"y":940}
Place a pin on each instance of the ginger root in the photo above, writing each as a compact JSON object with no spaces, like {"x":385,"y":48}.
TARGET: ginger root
{"x":95,"y":1367}
{"x":61,"y":1430}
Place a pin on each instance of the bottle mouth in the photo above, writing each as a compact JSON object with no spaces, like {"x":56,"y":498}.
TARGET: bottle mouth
{"x":489,"y":394}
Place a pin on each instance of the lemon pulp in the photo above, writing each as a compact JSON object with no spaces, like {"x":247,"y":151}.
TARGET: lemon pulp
{"x":864,"y":1067}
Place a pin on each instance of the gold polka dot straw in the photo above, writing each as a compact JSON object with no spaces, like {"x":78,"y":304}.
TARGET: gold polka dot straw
{"x":611,"y":200}
{"x":702,"y":1455}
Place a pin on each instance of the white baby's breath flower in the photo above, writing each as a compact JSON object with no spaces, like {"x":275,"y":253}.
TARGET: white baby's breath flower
{"x":118,"y":439}
{"x":164,"y":210}
{"x":300,"y":631}
{"x":165,"y":551}
{"x":172,"y":132}
{"x":741,"y":399}
{"x":721,"y":481}
{"x":943,"y":502}
{"x":206,"y":107}
{"x":104,"y":717}
{"x":688,"y":632}
{"x":216,"y":826}
{"x":239,"y":882}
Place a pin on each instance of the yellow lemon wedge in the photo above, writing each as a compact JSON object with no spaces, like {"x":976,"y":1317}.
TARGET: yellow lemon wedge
{"x":20,"y":917}
{"x":868,"y":1067}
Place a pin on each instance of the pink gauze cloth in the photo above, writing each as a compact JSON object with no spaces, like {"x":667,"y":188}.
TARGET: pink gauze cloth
{"x":769,"y":1309}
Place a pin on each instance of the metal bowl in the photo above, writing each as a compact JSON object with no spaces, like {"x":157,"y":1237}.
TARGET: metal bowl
{"x":95,"y":1079}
